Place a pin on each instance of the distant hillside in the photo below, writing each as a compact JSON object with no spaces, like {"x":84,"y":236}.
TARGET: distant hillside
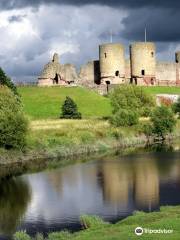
{"x":44,"y":103}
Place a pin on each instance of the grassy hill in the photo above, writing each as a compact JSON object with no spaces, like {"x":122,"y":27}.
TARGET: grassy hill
{"x":45,"y":103}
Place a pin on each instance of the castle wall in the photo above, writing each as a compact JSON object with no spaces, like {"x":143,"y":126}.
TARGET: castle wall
{"x":127,"y":70}
{"x":166,"y":73}
{"x":69,"y":73}
{"x":112,"y":63}
{"x":90,"y":73}
{"x":45,"y":82}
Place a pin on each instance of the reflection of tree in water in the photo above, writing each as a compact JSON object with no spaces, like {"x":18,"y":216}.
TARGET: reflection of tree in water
{"x":14,"y":198}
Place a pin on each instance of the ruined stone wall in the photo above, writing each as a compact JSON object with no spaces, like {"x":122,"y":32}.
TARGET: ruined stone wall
{"x":55,"y":73}
{"x":90,"y":74}
{"x":177,"y":57}
{"x":112,"y":63}
{"x":69,"y":73}
{"x":166,"y":73}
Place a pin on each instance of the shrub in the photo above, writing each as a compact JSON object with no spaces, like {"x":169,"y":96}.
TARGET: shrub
{"x":6,"y":81}
{"x":13,"y":125}
{"x":131,"y":97}
{"x":92,"y":222}
{"x":124,"y":118}
{"x":70,"y":110}
{"x":147,"y":129}
{"x":176,"y":107}
{"x":22,"y":235}
{"x":163,"y":121}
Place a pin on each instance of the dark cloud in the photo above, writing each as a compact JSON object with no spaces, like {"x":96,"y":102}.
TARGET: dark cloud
{"x":161,"y":24}
{"x":11,"y":4}
{"x":49,"y":28}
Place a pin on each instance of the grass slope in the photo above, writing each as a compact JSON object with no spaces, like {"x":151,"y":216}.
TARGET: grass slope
{"x":45,"y":103}
{"x":162,"y":90}
{"x":168,"y":218}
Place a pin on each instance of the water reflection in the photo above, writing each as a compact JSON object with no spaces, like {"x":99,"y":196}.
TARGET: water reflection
{"x":111,"y":187}
{"x":14,"y":198}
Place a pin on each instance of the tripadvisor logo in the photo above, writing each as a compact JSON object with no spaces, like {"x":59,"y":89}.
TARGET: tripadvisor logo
{"x":139,"y":231}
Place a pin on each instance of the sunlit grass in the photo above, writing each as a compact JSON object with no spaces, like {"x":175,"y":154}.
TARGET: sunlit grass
{"x":95,"y":228}
{"x":46,"y":102}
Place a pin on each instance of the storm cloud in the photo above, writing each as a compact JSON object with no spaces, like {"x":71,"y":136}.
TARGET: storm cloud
{"x":31,"y":30}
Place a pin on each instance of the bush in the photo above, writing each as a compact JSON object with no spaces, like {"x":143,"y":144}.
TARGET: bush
{"x":131,"y":97}
{"x":176,"y":107}
{"x":22,"y":235}
{"x":13,"y":125}
{"x":6,"y":81}
{"x":124,"y":118}
{"x":163,"y":121}
{"x":70,"y":110}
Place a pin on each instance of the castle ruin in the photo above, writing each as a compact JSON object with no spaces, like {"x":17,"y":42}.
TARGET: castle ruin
{"x":112,"y":68}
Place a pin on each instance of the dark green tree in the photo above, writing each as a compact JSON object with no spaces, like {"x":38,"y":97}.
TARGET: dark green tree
{"x":70,"y":110}
{"x":5,"y":80}
{"x":163,"y":121}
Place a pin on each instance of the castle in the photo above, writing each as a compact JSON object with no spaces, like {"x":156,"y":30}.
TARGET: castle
{"x":112,"y":68}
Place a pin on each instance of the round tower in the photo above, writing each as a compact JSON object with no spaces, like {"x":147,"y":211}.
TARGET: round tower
{"x":177,"y":57}
{"x":112,"y":63}
{"x":143,"y":63}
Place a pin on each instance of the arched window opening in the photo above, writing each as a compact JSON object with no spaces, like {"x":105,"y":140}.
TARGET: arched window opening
{"x":117,"y":73}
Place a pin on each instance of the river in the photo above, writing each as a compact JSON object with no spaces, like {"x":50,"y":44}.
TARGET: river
{"x":111,"y":186}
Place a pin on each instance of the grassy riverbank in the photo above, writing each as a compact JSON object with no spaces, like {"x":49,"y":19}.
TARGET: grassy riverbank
{"x":70,"y":138}
{"x":167,"y":218}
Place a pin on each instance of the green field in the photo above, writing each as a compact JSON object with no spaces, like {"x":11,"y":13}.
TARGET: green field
{"x":161,"y":90}
{"x":45,"y":103}
{"x":168,"y":219}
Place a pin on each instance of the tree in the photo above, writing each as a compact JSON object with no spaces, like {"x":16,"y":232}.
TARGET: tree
{"x":6,"y":81}
{"x":13,"y":124}
{"x":124,"y":118}
{"x":70,"y":110}
{"x":176,"y":107}
{"x":129,"y":102}
{"x":163,"y":121}
{"x":133,"y":98}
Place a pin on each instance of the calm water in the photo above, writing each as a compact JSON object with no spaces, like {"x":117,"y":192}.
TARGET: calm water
{"x":111,"y":187}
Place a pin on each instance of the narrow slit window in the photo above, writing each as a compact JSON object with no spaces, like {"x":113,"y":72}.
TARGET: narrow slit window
{"x":143,"y":72}
{"x":152,"y":54}
{"x":105,"y":55}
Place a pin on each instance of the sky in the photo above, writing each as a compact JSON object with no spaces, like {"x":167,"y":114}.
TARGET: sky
{"x":32,"y":30}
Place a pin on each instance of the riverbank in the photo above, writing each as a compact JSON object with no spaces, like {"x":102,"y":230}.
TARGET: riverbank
{"x":167,"y":220}
{"x":66,"y":140}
